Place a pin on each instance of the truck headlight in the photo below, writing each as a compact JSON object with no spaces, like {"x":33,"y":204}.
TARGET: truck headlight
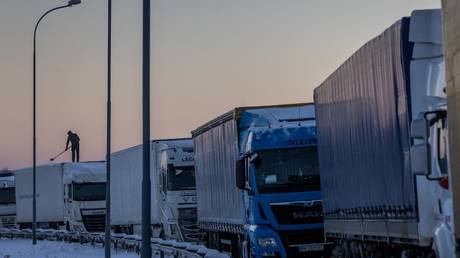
{"x":267,"y":242}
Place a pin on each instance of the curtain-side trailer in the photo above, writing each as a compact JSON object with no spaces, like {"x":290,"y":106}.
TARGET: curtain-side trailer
{"x":383,"y":145}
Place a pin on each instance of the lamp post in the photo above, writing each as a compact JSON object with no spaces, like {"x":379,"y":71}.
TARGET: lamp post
{"x":146,"y":230}
{"x":34,"y":200}
{"x":108,"y":244}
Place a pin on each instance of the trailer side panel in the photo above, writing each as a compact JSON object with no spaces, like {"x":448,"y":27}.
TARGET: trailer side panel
{"x":363,"y":132}
{"x":50,"y":194}
{"x":219,"y":201}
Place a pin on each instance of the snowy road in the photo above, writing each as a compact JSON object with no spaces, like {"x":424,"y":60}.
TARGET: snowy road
{"x":22,"y":248}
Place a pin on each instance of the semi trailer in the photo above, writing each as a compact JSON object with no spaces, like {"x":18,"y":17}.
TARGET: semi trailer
{"x":172,"y":175}
{"x":258,"y":183}
{"x":383,"y":146}
{"x":68,"y":195}
{"x":7,"y":200}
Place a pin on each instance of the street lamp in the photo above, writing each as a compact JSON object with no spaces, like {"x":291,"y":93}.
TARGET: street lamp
{"x":34,"y":212}
{"x":109,"y":132}
{"x":146,"y":185}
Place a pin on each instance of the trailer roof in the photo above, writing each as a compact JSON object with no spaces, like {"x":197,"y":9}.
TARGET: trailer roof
{"x":85,"y":172}
{"x":151,"y":142}
{"x":236,"y":114}
{"x":62,"y":164}
{"x":28,"y":169}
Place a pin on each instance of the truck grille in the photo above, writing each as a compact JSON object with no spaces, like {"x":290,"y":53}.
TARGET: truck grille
{"x":187,"y":213}
{"x":94,"y":222}
{"x":298,"y":213}
{"x":299,"y":237}
{"x":8,"y":221}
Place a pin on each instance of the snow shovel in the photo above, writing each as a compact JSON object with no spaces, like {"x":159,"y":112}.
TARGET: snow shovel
{"x":60,"y":153}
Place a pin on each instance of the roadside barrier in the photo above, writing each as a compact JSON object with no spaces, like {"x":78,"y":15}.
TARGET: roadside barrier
{"x":160,"y":247}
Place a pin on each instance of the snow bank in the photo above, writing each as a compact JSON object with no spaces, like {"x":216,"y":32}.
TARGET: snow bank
{"x":22,"y":248}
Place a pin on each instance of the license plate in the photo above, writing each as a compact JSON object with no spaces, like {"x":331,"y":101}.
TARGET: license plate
{"x":311,"y":248}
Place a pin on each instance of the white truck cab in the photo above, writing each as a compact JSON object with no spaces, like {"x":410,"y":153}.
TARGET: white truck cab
{"x":430,"y":152}
{"x":173,"y":195}
{"x":177,"y":200}
{"x":84,"y":196}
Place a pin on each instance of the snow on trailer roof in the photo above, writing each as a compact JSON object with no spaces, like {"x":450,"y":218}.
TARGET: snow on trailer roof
{"x":29,"y":169}
{"x":82,"y":172}
{"x":276,"y":116}
{"x":173,"y":144}
{"x":270,"y":115}
{"x":90,"y":171}
{"x":93,"y":167}
{"x":151,"y":142}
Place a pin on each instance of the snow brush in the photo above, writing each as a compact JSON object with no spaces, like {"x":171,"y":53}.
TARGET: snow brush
{"x":60,"y":153}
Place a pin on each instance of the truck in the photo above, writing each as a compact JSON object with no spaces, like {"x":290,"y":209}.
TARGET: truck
{"x":173,"y":194}
{"x":69,"y":196}
{"x":257,"y":180}
{"x":7,"y":200}
{"x":384,"y":146}
{"x":451,"y":46}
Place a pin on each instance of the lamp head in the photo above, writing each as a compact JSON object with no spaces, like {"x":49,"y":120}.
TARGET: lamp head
{"x":73,"y":2}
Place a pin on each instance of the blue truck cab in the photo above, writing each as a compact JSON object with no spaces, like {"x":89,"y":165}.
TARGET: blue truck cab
{"x":278,"y":174}
{"x":257,"y":181}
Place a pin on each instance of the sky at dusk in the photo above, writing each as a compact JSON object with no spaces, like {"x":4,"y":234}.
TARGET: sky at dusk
{"x":208,"y":56}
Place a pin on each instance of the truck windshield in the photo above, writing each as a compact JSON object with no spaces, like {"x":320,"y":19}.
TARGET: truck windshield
{"x":88,"y":191}
{"x":288,"y":170}
{"x":181,"y":178}
{"x":7,"y":195}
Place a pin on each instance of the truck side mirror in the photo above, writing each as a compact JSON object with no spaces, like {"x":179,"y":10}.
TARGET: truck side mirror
{"x":419,"y":159}
{"x":240,"y":174}
{"x":420,"y":151}
{"x":70,"y":191}
{"x":419,"y":129}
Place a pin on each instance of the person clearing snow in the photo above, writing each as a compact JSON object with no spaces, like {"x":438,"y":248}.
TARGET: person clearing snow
{"x":75,"y":142}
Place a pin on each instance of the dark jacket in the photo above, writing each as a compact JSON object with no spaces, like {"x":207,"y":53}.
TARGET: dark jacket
{"x":72,"y":138}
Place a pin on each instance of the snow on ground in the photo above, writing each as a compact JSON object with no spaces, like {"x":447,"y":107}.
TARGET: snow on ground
{"x":23,"y":248}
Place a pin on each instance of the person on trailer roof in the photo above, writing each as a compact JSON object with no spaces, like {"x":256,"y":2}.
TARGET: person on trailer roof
{"x":75,"y":143}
